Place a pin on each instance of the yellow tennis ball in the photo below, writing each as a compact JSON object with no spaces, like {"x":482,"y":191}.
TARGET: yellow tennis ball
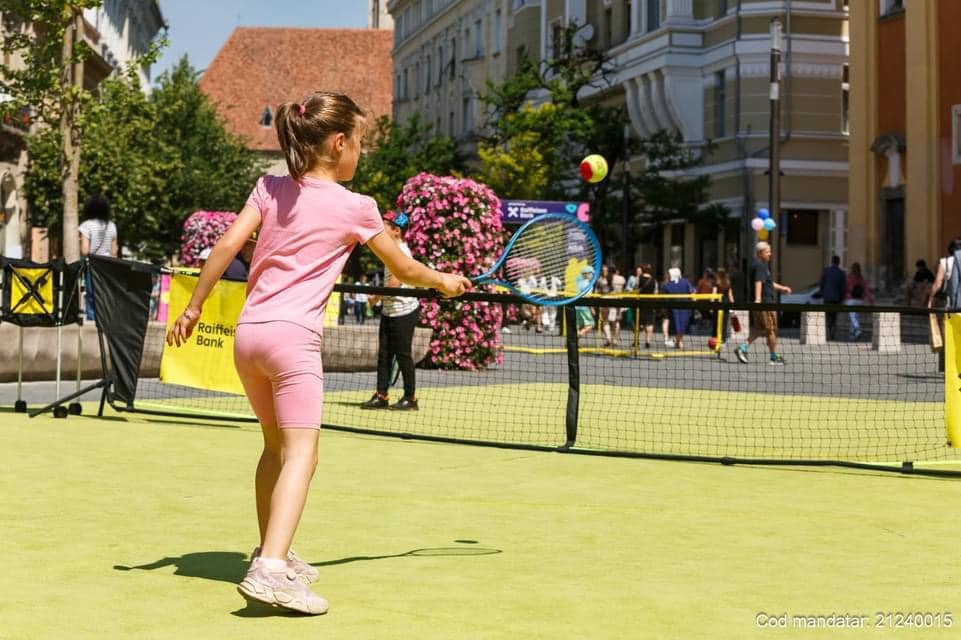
{"x":594,"y":168}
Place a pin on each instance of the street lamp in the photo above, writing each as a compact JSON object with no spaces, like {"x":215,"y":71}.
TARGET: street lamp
{"x":774,"y":177}
{"x":627,"y":201}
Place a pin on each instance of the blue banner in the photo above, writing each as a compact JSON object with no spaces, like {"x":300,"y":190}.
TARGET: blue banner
{"x":520,"y":211}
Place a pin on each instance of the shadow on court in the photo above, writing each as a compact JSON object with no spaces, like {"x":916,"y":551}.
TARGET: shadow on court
{"x":230,"y":566}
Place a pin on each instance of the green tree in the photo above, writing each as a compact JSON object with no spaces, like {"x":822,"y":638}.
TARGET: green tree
{"x":46,"y":81}
{"x":156,"y":159}
{"x":399,"y":151}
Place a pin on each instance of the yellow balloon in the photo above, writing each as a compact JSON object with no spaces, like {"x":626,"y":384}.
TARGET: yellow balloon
{"x":762,"y":234}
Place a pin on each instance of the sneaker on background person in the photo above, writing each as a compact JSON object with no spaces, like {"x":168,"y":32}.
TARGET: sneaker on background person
{"x":741,"y":352}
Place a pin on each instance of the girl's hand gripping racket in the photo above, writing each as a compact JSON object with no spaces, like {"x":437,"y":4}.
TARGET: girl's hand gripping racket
{"x":551,"y":260}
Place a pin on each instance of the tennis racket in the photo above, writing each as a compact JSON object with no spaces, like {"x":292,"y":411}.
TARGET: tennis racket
{"x":553,"y":259}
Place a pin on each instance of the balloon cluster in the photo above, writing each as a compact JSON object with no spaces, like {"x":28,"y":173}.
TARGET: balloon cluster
{"x":763,"y":223}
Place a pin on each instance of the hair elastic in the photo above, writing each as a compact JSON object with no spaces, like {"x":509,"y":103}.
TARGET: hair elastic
{"x":302,"y":108}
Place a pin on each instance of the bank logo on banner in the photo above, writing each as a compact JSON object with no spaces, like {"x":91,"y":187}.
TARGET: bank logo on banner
{"x":206,"y":361}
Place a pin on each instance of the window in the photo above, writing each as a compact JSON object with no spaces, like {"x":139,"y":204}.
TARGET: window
{"x":266,"y":117}
{"x":416,"y":79}
{"x":721,"y":8}
{"x":628,"y":15}
{"x":956,"y":133}
{"x":440,"y":66}
{"x":720,"y":99}
{"x":496,"y":47}
{"x":450,"y":124}
{"x":467,"y":52}
{"x":403,"y":89}
{"x":653,"y":15}
{"x":468,"y":114}
{"x":478,"y":39}
{"x":428,"y":76}
{"x":557,"y":38}
{"x":802,"y":227}
{"x":890,"y":6}
{"x":453,"y":58}
{"x":845,"y":99}
{"x":608,"y":26}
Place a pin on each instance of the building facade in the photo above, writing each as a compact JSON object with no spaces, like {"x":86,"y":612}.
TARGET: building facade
{"x":444,"y":53}
{"x":700,"y":67}
{"x":117,"y":33}
{"x":905,"y":189}
{"x":377,"y":15}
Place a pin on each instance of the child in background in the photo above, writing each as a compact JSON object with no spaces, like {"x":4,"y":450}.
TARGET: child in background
{"x":309,"y":224}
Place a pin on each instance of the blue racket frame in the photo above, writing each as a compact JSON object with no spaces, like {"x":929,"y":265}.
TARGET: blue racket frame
{"x":488,"y":276}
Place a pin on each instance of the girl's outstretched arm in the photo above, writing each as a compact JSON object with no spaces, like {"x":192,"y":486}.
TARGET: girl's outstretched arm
{"x":220,"y":257}
{"x":412,"y":272}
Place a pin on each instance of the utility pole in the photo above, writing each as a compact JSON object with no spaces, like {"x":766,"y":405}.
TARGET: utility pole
{"x":774,"y":177}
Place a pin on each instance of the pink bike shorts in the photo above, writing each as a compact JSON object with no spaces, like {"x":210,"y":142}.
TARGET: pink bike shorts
{"x":279,"y":364}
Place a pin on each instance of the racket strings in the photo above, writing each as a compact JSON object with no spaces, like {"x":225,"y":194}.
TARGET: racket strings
{"x":551,"y":260}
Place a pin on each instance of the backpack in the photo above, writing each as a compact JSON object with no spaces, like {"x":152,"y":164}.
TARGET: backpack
{"x":952,"y":287}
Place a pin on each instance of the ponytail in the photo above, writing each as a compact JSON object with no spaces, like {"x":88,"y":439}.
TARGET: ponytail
{"x":303,"y":129}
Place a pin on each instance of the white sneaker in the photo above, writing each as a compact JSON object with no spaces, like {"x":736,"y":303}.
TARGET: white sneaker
{"x":281,"y":588}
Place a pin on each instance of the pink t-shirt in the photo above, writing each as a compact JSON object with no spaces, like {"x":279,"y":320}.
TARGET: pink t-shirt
{"x":307,"y":232}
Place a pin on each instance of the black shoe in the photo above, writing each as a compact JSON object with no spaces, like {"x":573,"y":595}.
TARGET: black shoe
{"x":376,"y":401}
{"x":405,"y":404}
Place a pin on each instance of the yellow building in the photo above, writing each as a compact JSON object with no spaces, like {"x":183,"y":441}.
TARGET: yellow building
{"x":905,"y":154}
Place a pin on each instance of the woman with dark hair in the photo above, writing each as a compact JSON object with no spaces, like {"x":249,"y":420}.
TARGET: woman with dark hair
{"x":98,"y":236}
{"x":856,"y":292}
{"x":945,"y":269}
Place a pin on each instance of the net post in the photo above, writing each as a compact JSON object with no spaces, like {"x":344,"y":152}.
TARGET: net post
{"x":573,"y":375}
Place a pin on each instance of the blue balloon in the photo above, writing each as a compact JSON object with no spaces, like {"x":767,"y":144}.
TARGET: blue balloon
{"x":763,"y":214}
{"x":769,"y":224}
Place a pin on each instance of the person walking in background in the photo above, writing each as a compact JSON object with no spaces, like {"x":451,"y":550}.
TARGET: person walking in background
{"x":832,"y":285}
{"x":678,"y":285}
{"x":360,"y":301}
{"x":98,"y":237}
{"x":856,"y":292}
{"x":948,"y":281}
{"x":919,"y":288}
{"x":724,"y":289}
{"x":647,"y":285}
{"x":398,"y":319}
{"x":612,"y":315}
{"x":309,"y":225}
{"x":764,"y":290}
{"x":584,"y":315}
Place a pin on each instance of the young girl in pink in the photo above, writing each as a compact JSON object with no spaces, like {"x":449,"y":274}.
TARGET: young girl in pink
{"x":309,"y":224}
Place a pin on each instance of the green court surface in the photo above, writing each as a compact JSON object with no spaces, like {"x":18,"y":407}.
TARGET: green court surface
{"x":139,"y":527}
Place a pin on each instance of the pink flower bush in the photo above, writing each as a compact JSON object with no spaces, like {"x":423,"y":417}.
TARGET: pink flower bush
{"x":456,"y":226}
{"x":202,"y":230}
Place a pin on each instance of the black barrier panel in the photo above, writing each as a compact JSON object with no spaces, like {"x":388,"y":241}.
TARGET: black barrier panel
{"x":121,"y":290}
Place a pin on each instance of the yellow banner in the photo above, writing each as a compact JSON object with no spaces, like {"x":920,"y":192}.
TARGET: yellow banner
{"x":206,"y":361}
{"x":952,"y":381}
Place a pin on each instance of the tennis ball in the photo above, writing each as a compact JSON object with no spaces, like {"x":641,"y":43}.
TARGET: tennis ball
{"x":594,"y":168}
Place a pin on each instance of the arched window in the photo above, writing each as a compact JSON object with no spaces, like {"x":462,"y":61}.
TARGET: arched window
{"x":266,"y":118}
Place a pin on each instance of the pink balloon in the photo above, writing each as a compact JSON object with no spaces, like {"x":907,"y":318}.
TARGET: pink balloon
{"x":757,"y":224}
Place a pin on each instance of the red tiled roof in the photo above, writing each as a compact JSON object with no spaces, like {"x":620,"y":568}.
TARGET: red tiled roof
{"x":260,"y":66}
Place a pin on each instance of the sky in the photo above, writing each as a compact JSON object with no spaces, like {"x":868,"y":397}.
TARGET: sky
{"x":199,"y":28}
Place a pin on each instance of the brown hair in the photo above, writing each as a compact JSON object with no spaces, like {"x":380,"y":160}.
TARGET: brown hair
{"x":723,"y":281}
{"x":304,"y":127}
